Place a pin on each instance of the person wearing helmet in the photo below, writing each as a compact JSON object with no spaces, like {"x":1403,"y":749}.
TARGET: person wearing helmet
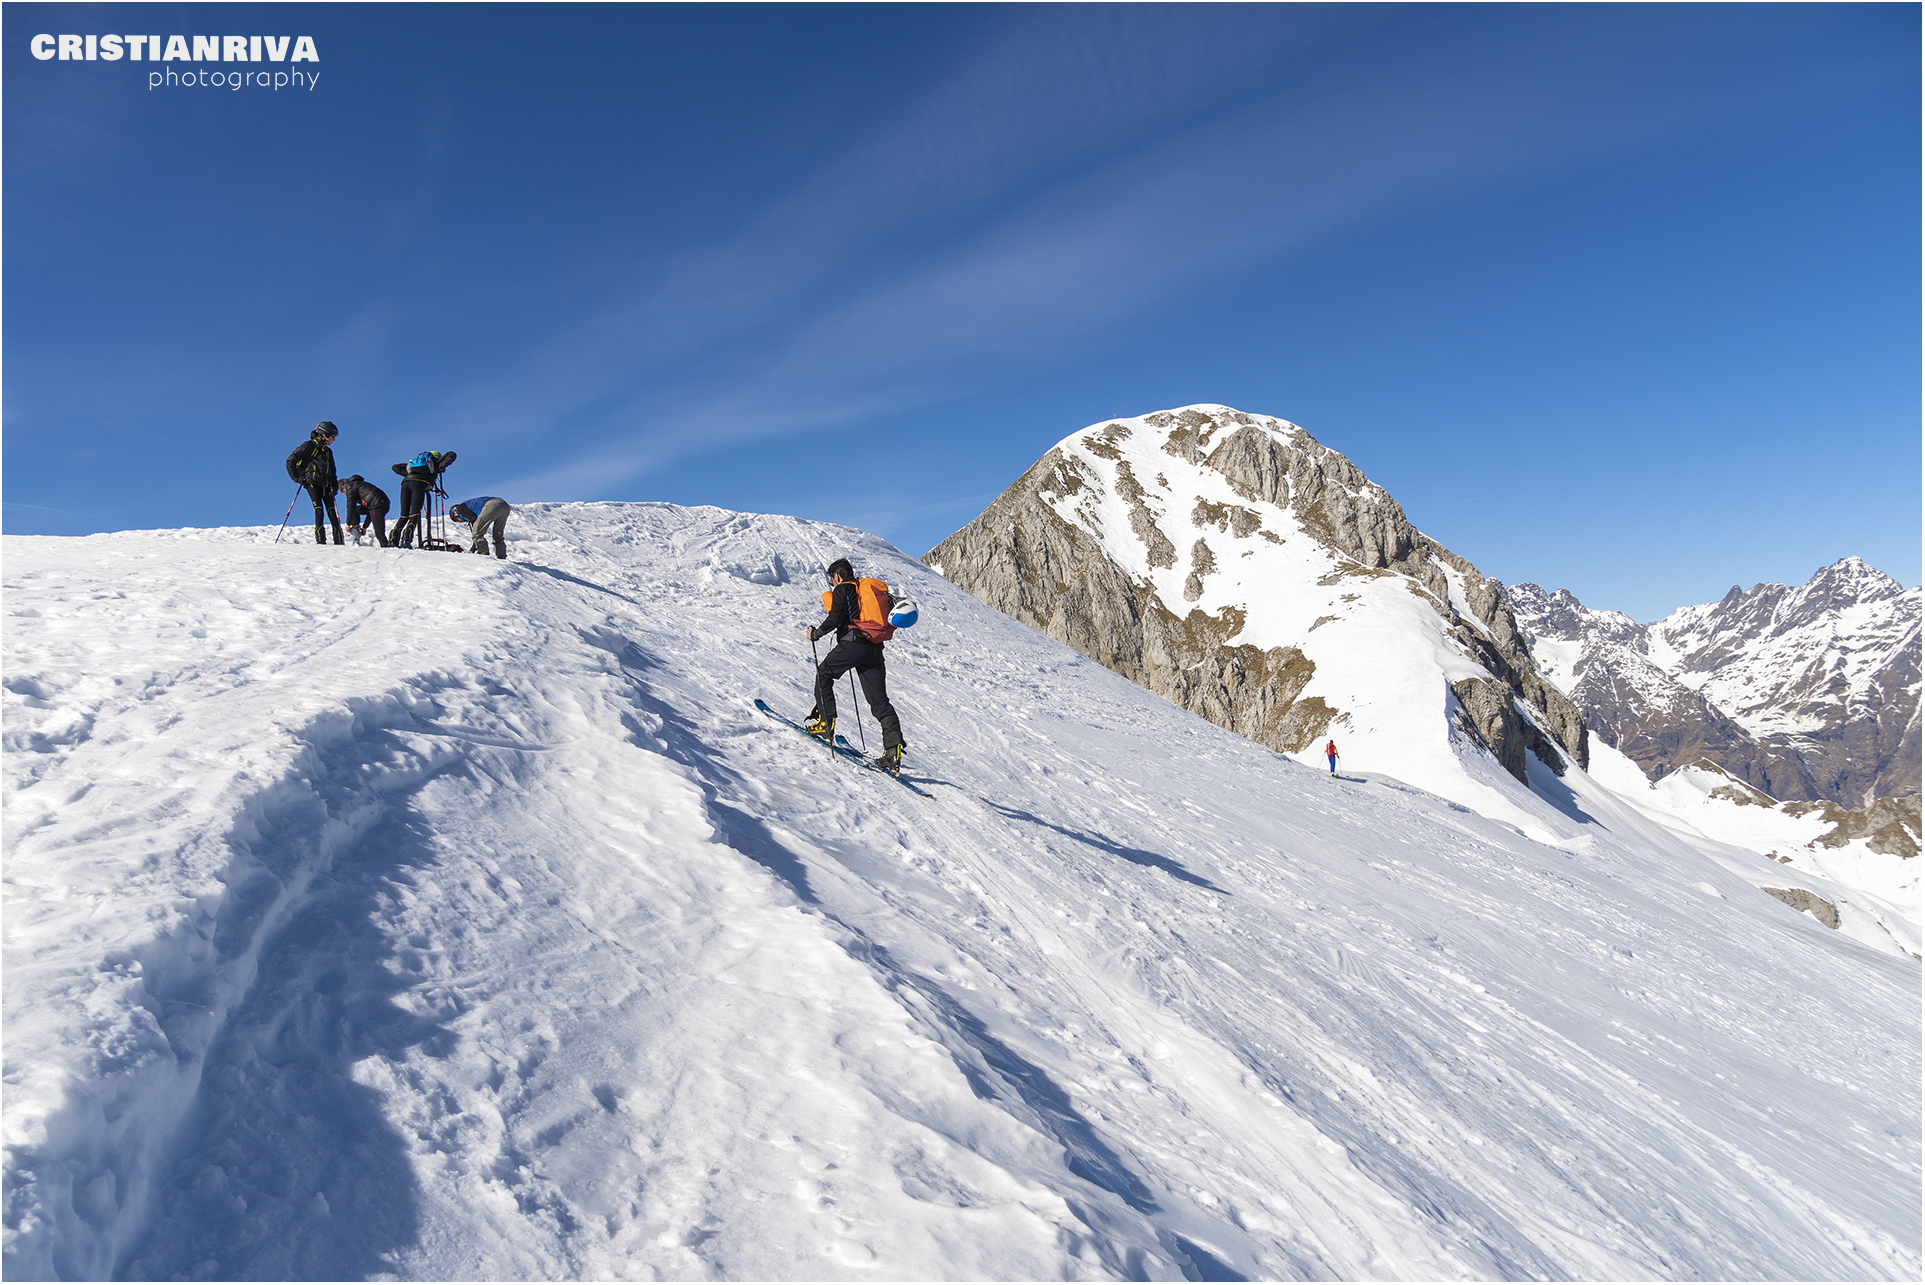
{"x":419,"y":476}
{"x":367,"y":508}
{"x":312,"y":465}
{"x":852,"y":652}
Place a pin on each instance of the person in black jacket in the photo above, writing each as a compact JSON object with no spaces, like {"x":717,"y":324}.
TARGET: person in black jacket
{"x":419,"y":476}
{"x":852,"y":651}
{"x":312,"y":465}
{"x":367,"y":506}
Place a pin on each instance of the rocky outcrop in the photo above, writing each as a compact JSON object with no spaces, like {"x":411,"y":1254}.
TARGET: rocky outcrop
{"x":1487,"y":712}
{"x":1889,"y":826}
{"x":1808,"y":902}
{"x":1024,"y":557}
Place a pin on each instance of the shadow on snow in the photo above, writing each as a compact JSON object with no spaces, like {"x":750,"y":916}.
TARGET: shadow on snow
{"x":285,"y":1167}
{"x":1135,"y":855}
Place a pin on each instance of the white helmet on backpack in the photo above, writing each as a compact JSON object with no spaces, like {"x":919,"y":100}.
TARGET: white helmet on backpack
{"x":903,"y":613}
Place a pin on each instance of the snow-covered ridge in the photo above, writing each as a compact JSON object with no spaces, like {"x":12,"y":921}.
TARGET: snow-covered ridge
{"x":385,"y":913}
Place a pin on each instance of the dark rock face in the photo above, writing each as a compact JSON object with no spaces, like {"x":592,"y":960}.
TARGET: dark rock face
{"x":1488,"y":712}
{"x":1025,"y":560}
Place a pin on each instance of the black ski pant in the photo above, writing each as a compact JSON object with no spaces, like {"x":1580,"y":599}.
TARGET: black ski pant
{"x":414,"y":498}
{"x":377,"y":522}
{"x":865,"y":658}
{"x":323,"y":497}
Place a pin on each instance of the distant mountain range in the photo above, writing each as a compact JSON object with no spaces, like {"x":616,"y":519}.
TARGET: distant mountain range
{"x":1807,"y":693}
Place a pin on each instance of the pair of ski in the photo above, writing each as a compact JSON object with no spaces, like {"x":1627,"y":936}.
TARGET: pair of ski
{"x":842,"y":749}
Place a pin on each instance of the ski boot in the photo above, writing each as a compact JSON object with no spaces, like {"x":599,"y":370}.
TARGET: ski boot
{"x":891,"y":760}
{"x":823,"y":729}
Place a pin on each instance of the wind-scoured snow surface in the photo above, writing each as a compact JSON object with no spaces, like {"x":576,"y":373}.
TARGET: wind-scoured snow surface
{"x":385,"y":913}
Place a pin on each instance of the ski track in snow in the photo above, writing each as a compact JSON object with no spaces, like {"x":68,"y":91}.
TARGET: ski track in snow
{"x":376,"y":913}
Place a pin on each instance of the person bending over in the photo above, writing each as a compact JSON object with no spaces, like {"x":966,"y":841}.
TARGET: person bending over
{"x":484,"y":514}
{"x":367,"y":506}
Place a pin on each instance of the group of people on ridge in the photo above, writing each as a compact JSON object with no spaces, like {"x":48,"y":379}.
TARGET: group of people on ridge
{"x":311,"y":465}
{"x":858,"y":610}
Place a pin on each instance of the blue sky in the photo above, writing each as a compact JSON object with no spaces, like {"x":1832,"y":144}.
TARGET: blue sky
{"x":1623,"y":299}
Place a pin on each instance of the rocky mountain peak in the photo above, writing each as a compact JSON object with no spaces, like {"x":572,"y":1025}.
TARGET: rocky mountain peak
{"x":1561,"y":616}
{"x":1846,"y":583}
{"x":1769,"y":608}
{"x":1236,"y":565}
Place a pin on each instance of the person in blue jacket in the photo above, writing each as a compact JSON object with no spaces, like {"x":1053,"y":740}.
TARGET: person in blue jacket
{"x":484,"y":515}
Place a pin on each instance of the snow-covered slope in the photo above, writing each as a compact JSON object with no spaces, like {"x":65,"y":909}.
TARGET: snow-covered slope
{"x":1873,"y":850}
{"x":377,"y":912}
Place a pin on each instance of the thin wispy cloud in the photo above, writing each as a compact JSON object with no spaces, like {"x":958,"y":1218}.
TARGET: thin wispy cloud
{"x":1051,"y":273}
{"x":1051,"y":95}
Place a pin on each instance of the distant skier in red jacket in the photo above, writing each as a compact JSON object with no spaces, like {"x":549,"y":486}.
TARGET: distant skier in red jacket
{"x":1330,"y":751}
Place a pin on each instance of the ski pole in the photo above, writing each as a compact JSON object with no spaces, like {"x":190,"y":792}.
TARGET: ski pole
{"x":817,"y":662}
{"x":290,"y":512}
